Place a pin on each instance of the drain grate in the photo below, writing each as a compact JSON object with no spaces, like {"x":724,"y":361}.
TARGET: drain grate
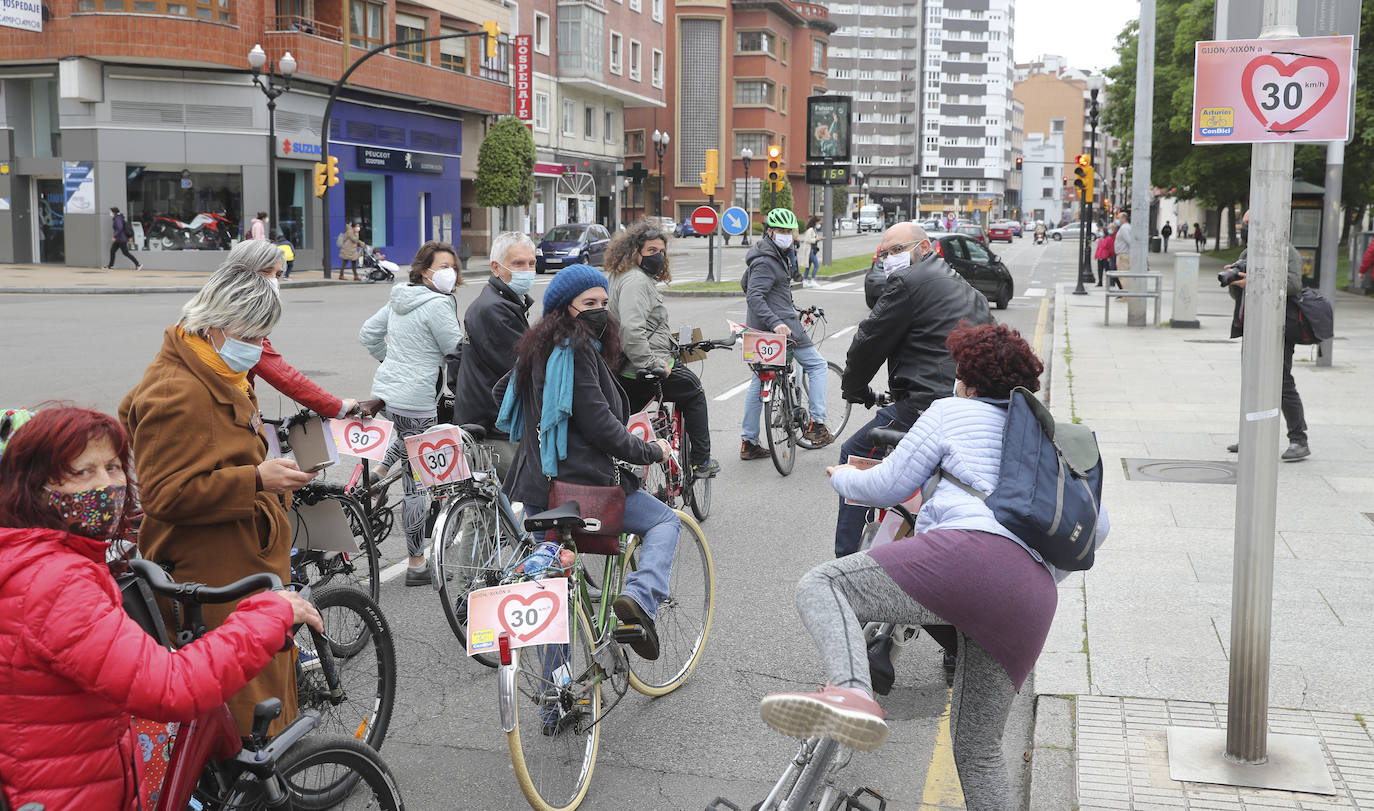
{"x":1187,"y":471}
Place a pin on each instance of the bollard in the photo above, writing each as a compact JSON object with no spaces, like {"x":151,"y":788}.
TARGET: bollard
{"x":1184,"y":312}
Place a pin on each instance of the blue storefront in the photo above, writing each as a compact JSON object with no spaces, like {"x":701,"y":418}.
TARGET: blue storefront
{"x":399,"y":176}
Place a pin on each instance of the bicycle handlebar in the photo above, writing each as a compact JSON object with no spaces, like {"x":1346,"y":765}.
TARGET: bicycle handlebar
{"x":162,"y":583}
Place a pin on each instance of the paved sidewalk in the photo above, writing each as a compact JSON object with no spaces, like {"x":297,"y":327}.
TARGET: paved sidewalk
{"x":1142,"y":640}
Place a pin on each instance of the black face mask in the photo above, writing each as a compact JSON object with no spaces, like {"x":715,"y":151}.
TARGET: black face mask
{"x":652,"y":264}
{"x":595,"y":320}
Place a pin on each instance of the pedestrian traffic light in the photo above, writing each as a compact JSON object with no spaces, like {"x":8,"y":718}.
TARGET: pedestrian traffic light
{"x":320,"y":185}
{"x":492,"y":31}
{"x":1018,"y":164}
{"x":333,"y":169}
{"x":710,"y":177}
{"x":776,"y":177}
{"x":1084,"y":181}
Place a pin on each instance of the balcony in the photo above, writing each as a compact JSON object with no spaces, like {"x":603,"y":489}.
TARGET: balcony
{"x":581,"y":44}
{"x":293,"y":23}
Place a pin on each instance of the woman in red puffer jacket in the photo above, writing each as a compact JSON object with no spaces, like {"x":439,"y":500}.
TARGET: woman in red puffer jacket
{"x":73,"y":666}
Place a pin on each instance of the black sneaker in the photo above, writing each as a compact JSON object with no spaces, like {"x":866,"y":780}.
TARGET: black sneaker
{"x":629,"y":612}
{"x":419,"y":575}
{"x":818,"y":435}
{"x":1296,"y":451}
{"x":752,"y":450}
{"x":706,"y":470}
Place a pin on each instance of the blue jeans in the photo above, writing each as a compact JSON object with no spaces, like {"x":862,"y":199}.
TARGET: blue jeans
{"x":816,"y":373}
{"x":814,"y":265}
{"x":657,"y":527}
{"x":849,"y":524}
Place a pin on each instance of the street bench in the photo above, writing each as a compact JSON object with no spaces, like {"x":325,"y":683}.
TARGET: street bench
{"x":1153,"y":289}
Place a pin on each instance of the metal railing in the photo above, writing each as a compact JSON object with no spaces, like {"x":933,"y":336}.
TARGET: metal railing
{"x":305,"y":25}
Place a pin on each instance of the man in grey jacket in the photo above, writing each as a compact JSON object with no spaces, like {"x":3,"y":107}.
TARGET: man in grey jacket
{"x":1290,"y":401}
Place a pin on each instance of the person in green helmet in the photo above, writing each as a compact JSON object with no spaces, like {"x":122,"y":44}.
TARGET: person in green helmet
{"x":768,"y":291}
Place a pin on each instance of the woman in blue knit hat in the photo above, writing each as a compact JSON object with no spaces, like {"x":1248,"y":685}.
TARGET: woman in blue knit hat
{"x":563,"y":390}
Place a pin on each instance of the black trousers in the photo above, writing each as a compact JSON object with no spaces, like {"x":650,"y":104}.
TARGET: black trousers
{"x":682,"y":388}
{"x":121,"y":246}
{"x":1289,"y":401}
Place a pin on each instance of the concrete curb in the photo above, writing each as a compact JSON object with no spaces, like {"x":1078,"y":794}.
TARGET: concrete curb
{"x":1052,"y":782}
{"x":671,"y":293}
{"x":126,"y":291}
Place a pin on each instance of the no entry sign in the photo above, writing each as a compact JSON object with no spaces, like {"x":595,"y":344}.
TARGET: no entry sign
{"x":1255,"y":90}
{"x":704,"y":220}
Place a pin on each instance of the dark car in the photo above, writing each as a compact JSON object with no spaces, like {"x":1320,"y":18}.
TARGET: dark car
{"x":978,"y":265}
{"x":685,"y":229}
{"x":573,"y":244}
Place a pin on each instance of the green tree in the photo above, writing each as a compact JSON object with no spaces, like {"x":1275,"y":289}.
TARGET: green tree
{"x":505,"y":166}
{"x":781,"y":199}
{"x":839,"y":200}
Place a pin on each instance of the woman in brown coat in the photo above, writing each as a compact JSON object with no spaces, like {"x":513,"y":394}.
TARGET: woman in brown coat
{"x":350,"y":246}
{"x":213,"y":502}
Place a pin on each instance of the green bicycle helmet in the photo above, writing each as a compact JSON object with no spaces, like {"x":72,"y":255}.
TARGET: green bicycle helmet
{"x":782,"y":218}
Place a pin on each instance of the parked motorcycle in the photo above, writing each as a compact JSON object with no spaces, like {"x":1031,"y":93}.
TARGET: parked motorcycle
{"x":209,"y":231}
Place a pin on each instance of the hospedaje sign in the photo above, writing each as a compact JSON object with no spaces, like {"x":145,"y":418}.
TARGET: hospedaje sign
{"x":26,"y":15}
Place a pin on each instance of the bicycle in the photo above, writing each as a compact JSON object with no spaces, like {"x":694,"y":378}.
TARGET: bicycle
{"x":672,"y":480}
{"x":550,"y":695}
{"x":785,"y":394}
{"x":813,"y":321}
{"x":212,"y":766}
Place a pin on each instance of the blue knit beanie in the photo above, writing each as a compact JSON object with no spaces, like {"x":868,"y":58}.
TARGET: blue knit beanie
{"x":571,"y":282}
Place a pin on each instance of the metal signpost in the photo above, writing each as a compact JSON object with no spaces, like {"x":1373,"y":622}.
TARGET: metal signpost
{"x":829,"y":141}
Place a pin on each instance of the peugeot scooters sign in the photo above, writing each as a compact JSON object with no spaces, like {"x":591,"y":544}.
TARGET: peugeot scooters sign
{"x":399,"y":160}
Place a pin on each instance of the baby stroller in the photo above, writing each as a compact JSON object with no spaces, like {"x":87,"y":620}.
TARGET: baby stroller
{"x":378,"y":269}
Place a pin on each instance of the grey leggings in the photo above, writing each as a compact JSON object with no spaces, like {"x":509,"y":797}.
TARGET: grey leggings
{"x":833,"y":600}
{"x":414,"y":504}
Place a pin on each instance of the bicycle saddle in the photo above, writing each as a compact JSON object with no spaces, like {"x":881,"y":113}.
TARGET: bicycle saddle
{"x":889,"y":437}
{"x":477,"y":432}
{"x":564,"y":516}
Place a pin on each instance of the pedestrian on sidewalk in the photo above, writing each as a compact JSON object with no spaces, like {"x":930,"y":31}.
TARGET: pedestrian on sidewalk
{"x":1364,"y":279}
{"x":258,"y":228}
{"x":962,"y":568}
{"x":288,"y":254}
{"x":1164,"y":234}
{"x":811,"y":249}
{"x":1106,"y":249}
{"x":1290,"y":402}
{"x":120,"y":235}
{"x":1199,"y":237}
{"x":350,"y":245}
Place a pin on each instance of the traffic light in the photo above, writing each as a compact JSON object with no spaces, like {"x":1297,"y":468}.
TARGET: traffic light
{"x":1084,"y":181}
{"x":320,"y":185}
{"x":333,"y":170}
{"x":776,"y":177}
{"x":492,"y":31}
{"x":1018,"y":164}
{"x":712,"y":173}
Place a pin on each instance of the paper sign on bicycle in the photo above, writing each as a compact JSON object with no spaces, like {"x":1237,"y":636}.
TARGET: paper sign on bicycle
{"x":364,"y":437}
{"x":765,"y":348}
{"x":641,"y":425}
{"x":534,"y":612}
{"x":436,"y":457}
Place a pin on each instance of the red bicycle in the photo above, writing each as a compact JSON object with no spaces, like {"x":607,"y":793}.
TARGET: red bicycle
{"x":210,"y":767}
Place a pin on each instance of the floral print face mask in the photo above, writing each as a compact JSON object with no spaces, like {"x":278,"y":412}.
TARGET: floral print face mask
{"x":92,"y":513}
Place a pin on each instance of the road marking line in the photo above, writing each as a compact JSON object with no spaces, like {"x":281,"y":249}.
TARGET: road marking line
{"x":1035,"y":291}
{"x":732,"y":392}
{"x":844,"y":331}
{"x":1040,"y":321}
{"x":942,"y":789}
{"x":833,"y":285}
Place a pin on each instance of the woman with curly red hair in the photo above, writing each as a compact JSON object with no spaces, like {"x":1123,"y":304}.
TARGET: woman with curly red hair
{"x":960,"y":568}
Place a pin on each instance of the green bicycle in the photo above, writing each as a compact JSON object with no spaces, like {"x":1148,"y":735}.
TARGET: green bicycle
{"x":550,"y":696}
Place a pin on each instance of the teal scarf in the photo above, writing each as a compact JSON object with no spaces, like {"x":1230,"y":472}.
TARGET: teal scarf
{"x":554,"y":412}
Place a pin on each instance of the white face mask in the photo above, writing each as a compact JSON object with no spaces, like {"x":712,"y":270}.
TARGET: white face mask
{"x":783,"y":241}
{"x":444,"y":280}
{"x":521,"y":281}
{"x":276,"y":284}
{"x":895,"y":262}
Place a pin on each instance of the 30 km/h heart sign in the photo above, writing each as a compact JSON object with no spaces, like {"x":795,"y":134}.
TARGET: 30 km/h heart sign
{"x":764,"y":348}
{"x":437,"y":457}
{"x":1294,"y":90}
{"x":532,"y":613}
{"x":363,"y":437}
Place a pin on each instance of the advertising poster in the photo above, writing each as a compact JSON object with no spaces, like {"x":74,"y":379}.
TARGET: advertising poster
{"x":828,"y":129}
{"x":78,"y":180}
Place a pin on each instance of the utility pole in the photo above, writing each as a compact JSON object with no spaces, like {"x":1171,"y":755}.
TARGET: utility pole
{"x":1140,"y":163}
{"x":1331,"y":234}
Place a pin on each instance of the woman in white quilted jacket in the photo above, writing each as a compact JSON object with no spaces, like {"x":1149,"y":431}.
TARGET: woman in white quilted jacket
{"x":410,"y":336}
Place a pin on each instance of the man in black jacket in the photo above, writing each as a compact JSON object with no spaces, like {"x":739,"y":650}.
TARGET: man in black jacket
{"x":493,"y":323}
{"x":922,"y":300}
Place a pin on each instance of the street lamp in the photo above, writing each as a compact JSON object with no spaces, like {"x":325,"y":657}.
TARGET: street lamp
{"x":272,"y":84}
{"x":747,"y":155}
{"x":660,"y":146}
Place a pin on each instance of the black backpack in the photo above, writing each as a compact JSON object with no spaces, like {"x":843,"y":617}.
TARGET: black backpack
{"x":1310,"y":318}
{"x":128,"y":229}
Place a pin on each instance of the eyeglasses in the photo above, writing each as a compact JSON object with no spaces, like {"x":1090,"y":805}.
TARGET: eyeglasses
{"x":900,"y":248}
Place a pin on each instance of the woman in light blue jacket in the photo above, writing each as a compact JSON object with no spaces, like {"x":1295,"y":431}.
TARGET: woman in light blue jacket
{"x":961,"y":568}
{"x":410,"y":336}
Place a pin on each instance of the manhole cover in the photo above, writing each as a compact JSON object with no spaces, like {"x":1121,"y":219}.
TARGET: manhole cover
{"x":1188,"y":471}
{"x":1207,"y":340}
{"x":317,"y":373}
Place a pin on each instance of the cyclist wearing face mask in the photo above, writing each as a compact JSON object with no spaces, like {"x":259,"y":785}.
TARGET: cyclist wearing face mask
{"x":493,"y":323}
{"x":768,"y":290}
{"x":921,"y":301}
{"x":410,"y":336}
{"x":637,"y":260}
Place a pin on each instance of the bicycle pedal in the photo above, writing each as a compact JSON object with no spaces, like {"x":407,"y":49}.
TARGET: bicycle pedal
{"x":629,"y":634}
{"x":852,"y":801}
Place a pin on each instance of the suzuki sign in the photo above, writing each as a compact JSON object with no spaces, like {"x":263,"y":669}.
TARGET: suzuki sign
{"x":287,"y":148}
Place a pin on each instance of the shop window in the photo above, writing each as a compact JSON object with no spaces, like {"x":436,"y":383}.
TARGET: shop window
{"x":453,"y":52}
{"x":213,"y":10}
{"x":541,"y":112}
{"x":291,"y":195}
{"x":365,"y":25}
{"x":409,"y":26}
{"x":186,"y":207}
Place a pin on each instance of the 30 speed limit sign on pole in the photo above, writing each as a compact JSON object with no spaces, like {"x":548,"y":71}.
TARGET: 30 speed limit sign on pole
{"x":1286,"y":90}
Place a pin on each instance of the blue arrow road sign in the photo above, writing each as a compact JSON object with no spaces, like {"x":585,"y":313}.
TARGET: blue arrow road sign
{"x":735,"y":221}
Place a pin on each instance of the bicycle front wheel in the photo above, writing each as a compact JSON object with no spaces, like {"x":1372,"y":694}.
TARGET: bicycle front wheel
{"x":363,"y":651}
{"x":555,"y":700}
{"x":780,"y":431}
{"x":836,"y":407}
{"x":330,"y":771}
{"x":684,"y":618}
{"x":475,"y":548}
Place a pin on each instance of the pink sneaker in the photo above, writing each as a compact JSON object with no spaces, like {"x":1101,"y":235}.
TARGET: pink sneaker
{"x":845,"y":714}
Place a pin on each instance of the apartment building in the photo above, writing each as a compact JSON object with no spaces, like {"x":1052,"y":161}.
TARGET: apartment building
{"x":736,"y":76}
{"x":1057,"y":100}
{"x":593,"y":64}
{"x":148,"y":105}
{"x":874,"y":54}
{"x":1045,"y":180}
{"x":966,"y":105}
